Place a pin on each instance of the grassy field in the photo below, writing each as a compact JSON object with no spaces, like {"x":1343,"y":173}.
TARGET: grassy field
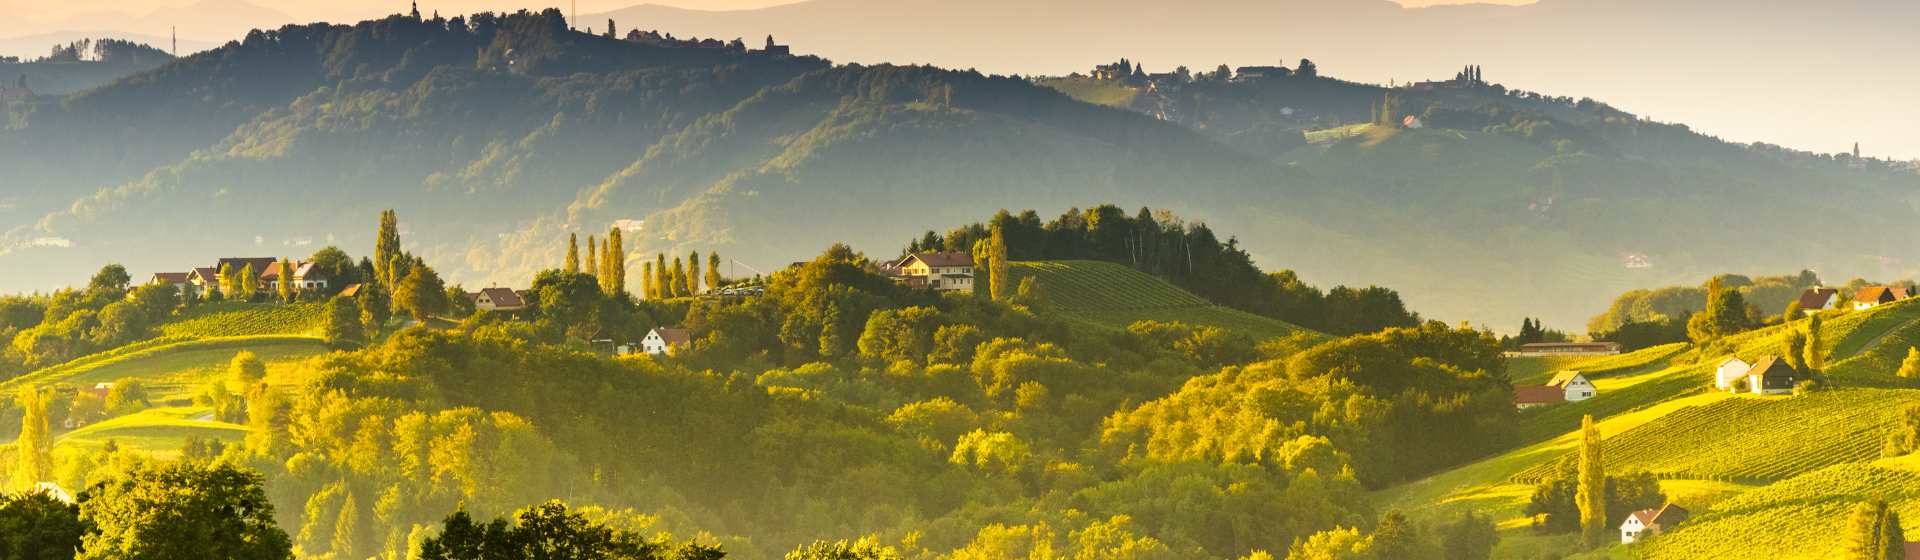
{"x":169,"y":369}
{"x":1098,"y":92}
{"x":1113,"y":296}
{"x":160,"y":431}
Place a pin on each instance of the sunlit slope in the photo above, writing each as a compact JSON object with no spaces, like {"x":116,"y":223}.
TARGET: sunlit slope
{"x":1113,"y":296}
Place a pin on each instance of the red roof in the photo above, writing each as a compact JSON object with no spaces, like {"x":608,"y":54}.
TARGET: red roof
{"x":170,"y":277}
{"x":1538,"y":394}
{"x":675,"y":337}
{"x":1817,"y":298}
{"x":952,"y":258}
{"x":1879,"y":294}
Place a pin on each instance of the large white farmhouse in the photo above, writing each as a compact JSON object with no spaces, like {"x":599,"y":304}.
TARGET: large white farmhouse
{"x":944,"y":272}
{"x":664,"y":341}
{"x":1574,"y":386}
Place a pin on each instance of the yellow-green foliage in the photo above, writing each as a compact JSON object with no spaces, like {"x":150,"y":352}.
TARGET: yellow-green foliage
{"x":159,"y":431}
{"x":1098,"y":92}
{"x":1753,"y":439}
{"x":1796,"y":518}
{"x":1113,"y":296}
{"x":173,"y":363}
{"x":243,"y":319}
{"x":1536,"y":370}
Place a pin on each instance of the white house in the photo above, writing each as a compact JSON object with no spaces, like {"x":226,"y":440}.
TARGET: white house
{"x":944,"y":272}
{"x":497,"y":299}
{"x":1730,"y":371}
{"x":664,"y":341}
{"x":1815,"y":300}
{"x":1573,"y":386}
{"x":1876,"y":296}
{"x":1649,"y":522}
{"x":1772,"y":376}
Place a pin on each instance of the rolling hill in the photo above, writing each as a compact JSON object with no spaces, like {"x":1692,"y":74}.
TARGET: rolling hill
{"x":1113,"y":296}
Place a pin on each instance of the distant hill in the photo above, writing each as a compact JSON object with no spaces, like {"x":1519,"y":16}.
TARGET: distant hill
{"x":1113,"y":296}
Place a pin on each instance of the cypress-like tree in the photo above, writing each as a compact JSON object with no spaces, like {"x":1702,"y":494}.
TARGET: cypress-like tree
{"x":285,"y":272}
{"x":1792,"y":313}
{"x":647,"y":290}
{"x":693,"y":272}
{"x":573,"y":252}
{"x":1591,"y":493}
{"x":386,"y":247}
{"x":249,"y":283}
{"x":1793,"y":348}
{"x":679,"y":278}
{"x":1910,"y":368}
{"x":593,"y":260}
{"x":229,"y":280}
{"x":997,"y":265}
{"x":1868,"y":534}
{"x":713,"y":270}
{"x":34,"y":448}
{"x":982,"y":267}
{"x":663,"y":279}
{"x":617,"y":252}
{"x":1816,"y":360}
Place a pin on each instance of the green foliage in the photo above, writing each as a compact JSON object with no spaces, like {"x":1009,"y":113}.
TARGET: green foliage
{"x":550,"y":531}
{"x":238,"y":319}
{"x":33,"y":450}
{"x":344,"y":329}
{"x":1904,"y":437}
{"x":1590,"y":492}
{"x":1469,"y":537}
{"x":1873,"y":533}
{"x":1910,"y":367}
{"x":863,"y":549}
{"x":182,"y":510}
{"x":38,"y":526}
{"x":1111,"y":296}
{"x":1557,"y":503}
{"x":1725,"y":314}
{"x":1801,"y":517}
{"x":421,"y":294}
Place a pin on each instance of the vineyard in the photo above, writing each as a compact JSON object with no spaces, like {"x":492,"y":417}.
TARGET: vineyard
{"x":1796,"y":518}
{"x":163,"y":364}
{"x":243,"y":319}
{"x":1114,"y":296}
{"x":1754,"y":439}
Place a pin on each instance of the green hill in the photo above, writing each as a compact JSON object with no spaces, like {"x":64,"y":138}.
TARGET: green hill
{"x":1801,"y":517}
{"x":1113,"y":296}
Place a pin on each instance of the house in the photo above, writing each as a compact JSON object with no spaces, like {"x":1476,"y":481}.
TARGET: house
{"x":1815,"y":300}
{"x":943,"y":272}
{"x":179,"y":280}
{"x":497,"y":299}
{"x":204,"y":279}
{"x":1772,"y":376}
{"x":1730,"y":371}
{"x":1573,"y":386}
{"x":1570,"y":349}
{"x":1530,"y":396}
{"x":1876,"y":296}
{"x":1646,"y":523}
{"x":665,"y":341}
{"x":305,"y":277}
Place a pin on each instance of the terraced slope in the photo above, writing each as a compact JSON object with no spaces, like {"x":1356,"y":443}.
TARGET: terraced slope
{"x":1802,"y":517}
{"x":1113,"y":296}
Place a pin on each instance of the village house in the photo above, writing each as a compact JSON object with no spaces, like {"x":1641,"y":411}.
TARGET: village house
{"x":1569,"y":349}
{"x":1876,"y":296}
{"x":1729,"y":372}
{"x":665,"y":341}
{"x":1646,"y":523}
{"x":181,"y":281}
{"x":1772,"y":376}
{"x":305,"y":277}
{"x":497,"y":299}
{"x":941,"y":272}
{"x":1573,"y":386}
{"x":1815,"y":300}
{"x":1532,"y":396}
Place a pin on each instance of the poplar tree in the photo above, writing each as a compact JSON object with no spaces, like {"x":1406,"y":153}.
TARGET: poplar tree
{"x":616,"y":261}
{"x":679,"y":278}
{"x":1910,"y":368}
{"x":573,"y":252}
{"x":713,"y":270}
{"x":647,"y":290}
{"x":249,"y":283}
{"x":593,"y":258}
{"x":997,"y":265}
{"x":285,"y":273}
{"x":1815,"y":359}
{"x":35,"y":445}
{"x":386,"y":247}
{"x":229,"y":280}
{"x":663,"y":279}
{"x":693,"y":273}
{"x":1793,"y":349}
{"x":1591,"y":494}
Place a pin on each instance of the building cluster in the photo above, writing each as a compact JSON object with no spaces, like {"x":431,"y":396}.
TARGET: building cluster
{"x":1468,"y":78}
{"x":949,"y":271}
{"x":658,"y":39}
{"x":1815,"y":300}
{"x":1566,"y":386}
{"x":199,"y":281}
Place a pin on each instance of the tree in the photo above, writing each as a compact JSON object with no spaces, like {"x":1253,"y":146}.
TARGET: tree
{"x":246,"y":369}
{"x":34,"y":448}
{"x":693,"y":273}
{"x":713,"y":270}
{"x":334,"y":265}
{"x":663,"y":279}
{"x":573,"y":252}
{"x":1873,"y":533}
{"x":344,"y":329}
{"x":375,"y":311}
{"x":34,"y":525}
{"x":863,"y":549}
{"x":680,"y":288}
{"x":1307,"y":69}
{"x":1591,"y":493}
{"x":110,"y":278}
{"x":1793,"y":312}
{"x":386,"y":248}
{"x":997,"y":270}
{"x":183,"y":510}
{"x":1470,"y":537}
{"x":422,"y":294}
{"x":595,"y":265}
{"x":1910,"y":368}
{"x":648,"y":290}
{"x":1397,"y":539}
{"x":284,"y":271}
{"x":1793,"y":349}
{"x":1724,"y":315}
{"x":616,"y":262}
{"x":544,"y":531}
{"x":126,"y":397}
{"x":1816,"y":358}
{"x":249,"y":283}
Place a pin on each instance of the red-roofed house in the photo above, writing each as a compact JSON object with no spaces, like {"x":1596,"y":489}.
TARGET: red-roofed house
{"x":179,"y":280}
{"x":945,"y":272}
{"x":1646,"y":523}
{"x":497,"y":299}
{"x":1815,"y":300}
{"x":1876,"y":296}
{"x":1529,"y":396}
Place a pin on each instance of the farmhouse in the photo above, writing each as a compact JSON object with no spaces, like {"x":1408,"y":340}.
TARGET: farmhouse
{"x":497,"y":299}
{"x":1772,"y":376}
{"x":1876,"y":296}
{"x":1646,"y":523}
{"x":179,"y":280}
{"x":1531,"y":396}
{"x":664,"y":341}
{"x":1815,"y":300}
{"x":305,"y":277}
{"x":1729,"y":372}
{"x":942,"y":272}
{"x":1570,"y":349}
{"x":1573,"y":386}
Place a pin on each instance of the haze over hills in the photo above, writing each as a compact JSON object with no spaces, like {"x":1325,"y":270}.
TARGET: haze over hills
{"x":200,"y":25}
{"x":1507,"y":206}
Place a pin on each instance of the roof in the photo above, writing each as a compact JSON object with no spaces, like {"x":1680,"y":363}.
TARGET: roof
{"x":949,"y":258}
{"x":300,"y":270}
{"x":502,"y":297}
{"x":1538,"y":394}
{"x":1731,"y":359}
{"x":207,"y":274}
{"x":1815,"y":298}
{"x":675,"y":337}
{"x":260,"y":264}
{"x":1645,"y":516}
{"x":1563,"y":378}
{"x":351,"y":290}
{"x":170,"y":277}
{"x":1664,"y":515}
{"x":1880,"y":294}
{"x":1771,"y":366}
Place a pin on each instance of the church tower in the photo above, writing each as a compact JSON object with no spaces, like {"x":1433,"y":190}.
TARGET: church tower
{"x":416,"y":10}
